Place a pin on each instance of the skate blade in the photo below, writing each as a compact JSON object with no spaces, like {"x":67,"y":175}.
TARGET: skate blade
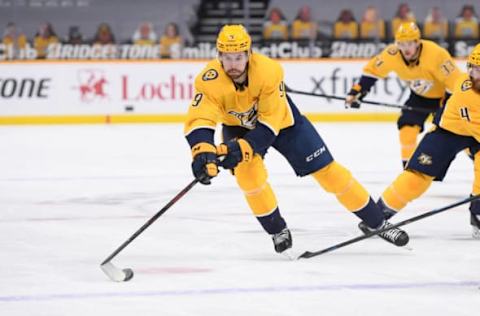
{"x":475,"y":233}
{"x":289,"y":254}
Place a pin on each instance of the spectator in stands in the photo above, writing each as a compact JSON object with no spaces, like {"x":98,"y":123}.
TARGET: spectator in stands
{"x":104,"y":35}
{"x":14,"y":38}
{"x":74,"y":36}
{"x":171,"y":41}
{"x":466,"y":24}
{"x":372,"y":27}
{"x":303,"y":28}
{"x":276,"y":26}
{"x":403,"y":15}
{"x":346,"y":27}
{"x":43,"y":38}
{"x":144,"y":35}
{"x":435,"y":26}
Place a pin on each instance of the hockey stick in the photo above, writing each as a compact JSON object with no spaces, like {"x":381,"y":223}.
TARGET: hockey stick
{"x":396,"y":106}
{"x":121,"y":275}
{"x":310,"y":254}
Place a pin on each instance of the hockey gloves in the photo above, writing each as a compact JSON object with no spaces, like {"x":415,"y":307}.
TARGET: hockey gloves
{"x":231,"y":153}
{"x":354,"y":97}
{"x":204,"y":165}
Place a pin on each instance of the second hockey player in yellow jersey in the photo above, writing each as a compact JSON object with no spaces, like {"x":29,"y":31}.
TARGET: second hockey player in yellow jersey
{"x":244,"y":91}
{"x":457,"y":127}
{"x":429,"y":71}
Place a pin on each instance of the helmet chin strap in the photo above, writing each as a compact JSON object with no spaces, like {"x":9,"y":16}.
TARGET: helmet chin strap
{"x":475,"y":84}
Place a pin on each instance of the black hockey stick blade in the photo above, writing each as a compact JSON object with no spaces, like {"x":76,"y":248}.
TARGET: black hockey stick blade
{"x":310,"y":254}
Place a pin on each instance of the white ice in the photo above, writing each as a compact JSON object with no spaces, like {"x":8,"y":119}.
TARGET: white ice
{"x":70,"y":195}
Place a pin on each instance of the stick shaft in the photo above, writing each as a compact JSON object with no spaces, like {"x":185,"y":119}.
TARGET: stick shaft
{"x":151,"y":220}
{"x":396,"y":106}
{"x":309,"y":254}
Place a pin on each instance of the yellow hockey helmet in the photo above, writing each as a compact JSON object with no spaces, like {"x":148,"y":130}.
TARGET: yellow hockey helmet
{"x":474,"y":57}
{"x":407,"y":31}
{"x":233,"y":39}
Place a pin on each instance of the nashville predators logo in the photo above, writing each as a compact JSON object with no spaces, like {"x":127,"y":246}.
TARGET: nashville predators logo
{"x":210,"y":75}
{"x":392,"y":50}
{"x":247,"y":119}
{"x":425,"y":159}
{"x":466,"y":85}
{"x":420,"y":86}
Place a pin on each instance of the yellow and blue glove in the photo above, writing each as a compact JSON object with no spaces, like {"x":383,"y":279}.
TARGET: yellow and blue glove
{"x":354,"y":97}
{"x":233,"y":152}
{"x":204,"y":165}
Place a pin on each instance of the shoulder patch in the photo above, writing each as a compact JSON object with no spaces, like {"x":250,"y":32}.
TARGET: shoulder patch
{"x":210,"y":74}
{"x":378,"y":62}
{"x":466,"y":85}
{"x":392,"y":50}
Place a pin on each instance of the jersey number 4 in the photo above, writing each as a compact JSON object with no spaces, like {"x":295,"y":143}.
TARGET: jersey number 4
{"x":464,"y":114}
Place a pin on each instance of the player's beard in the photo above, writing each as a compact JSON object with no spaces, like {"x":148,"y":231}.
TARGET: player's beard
{"x":235,"y":73}
{"x":475,"y":84}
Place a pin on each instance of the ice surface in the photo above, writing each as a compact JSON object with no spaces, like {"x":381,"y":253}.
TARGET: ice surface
{"x":70,"y":195}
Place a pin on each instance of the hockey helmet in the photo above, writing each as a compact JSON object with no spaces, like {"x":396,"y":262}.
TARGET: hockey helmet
{"x":474,"y":57}
{"x":408,"y":31}
{"x":233,"y":39}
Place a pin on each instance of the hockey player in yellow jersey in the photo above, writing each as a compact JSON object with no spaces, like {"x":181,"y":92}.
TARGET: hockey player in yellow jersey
{"x":456,"y":128}
{"x":429,"y":71}
{"x":244,"y":91}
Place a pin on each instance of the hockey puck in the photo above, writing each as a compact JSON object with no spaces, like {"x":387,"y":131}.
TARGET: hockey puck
{"x":128,"y":274}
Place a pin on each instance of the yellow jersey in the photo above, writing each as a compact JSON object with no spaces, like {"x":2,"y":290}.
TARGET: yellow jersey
{"x":166,"y":43}
{"x":303,"y":30}
{"x":272,"y":31}
{"x":41,"y":44}
{"x":345,"y":30}
{"x":430,"y":76}
{"x":144,"y":42}
{"x":461,"y":114}
{"x":435,"y":30}
{"x":20,"y":42}
{"x":218,"y":100}
{"x":372,"y":30}
{"x":466,"y":28}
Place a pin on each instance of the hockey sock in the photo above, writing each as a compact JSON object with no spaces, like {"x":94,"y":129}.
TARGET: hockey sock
{"x":273,"y":223}
{"x":408,"y":141}
{"x":476,"y":168}
{"x":252,"y":179}
{"x":408,"y":186}
{"x":371,"y":214}
{"x":336,"y":179}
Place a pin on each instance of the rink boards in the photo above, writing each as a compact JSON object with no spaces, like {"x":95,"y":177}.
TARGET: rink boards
{"x":114,"y":91}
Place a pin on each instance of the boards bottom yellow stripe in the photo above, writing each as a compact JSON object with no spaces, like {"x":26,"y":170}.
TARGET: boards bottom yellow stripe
{"x":177,"y":118}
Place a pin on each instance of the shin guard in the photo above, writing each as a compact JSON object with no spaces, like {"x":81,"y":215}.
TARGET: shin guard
{"x":408,"y":186}
{"x":408,"y":140}
{"x":252,"y":179}
{"x":336,"y":179}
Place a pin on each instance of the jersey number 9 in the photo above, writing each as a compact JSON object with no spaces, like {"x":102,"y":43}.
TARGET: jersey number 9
{"x":196,"y":100}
